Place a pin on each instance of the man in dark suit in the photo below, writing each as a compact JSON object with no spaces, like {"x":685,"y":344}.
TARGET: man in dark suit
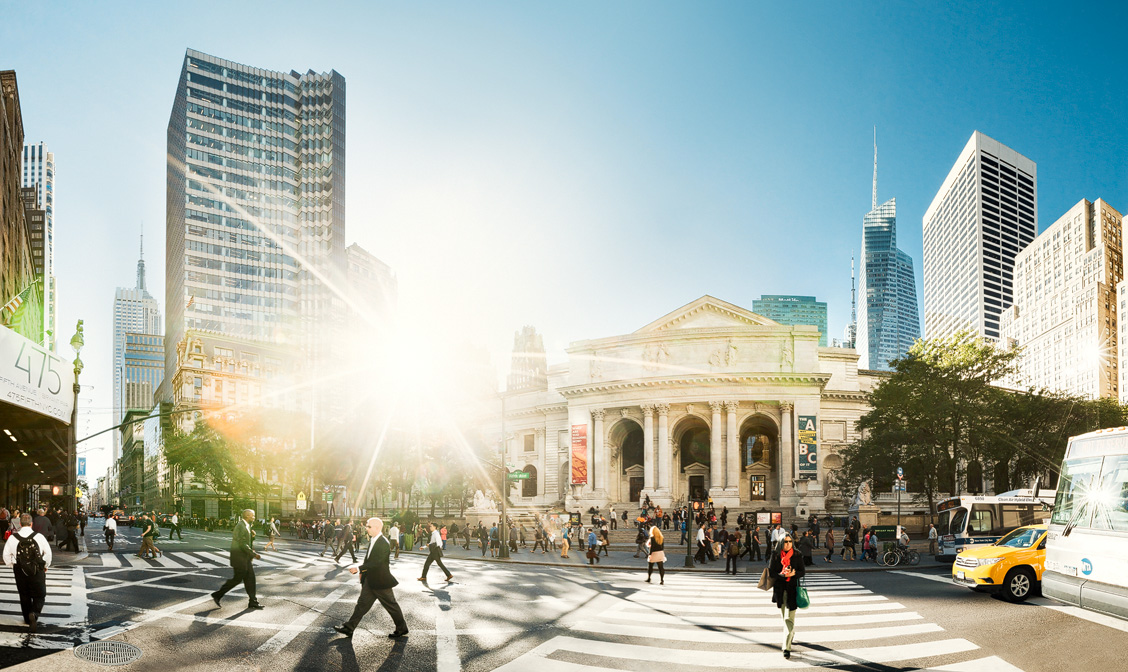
{"x":242,"y":553}
{"x":376,"y":583}
{"x":346,"y":541}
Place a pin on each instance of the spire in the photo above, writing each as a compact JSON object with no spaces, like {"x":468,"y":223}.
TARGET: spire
{"x":141,"y":266}
{"x":853,"y":303}
{"x":874,"y":170}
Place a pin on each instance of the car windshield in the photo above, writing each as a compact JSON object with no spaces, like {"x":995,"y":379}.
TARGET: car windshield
{"x":1022,"y":538}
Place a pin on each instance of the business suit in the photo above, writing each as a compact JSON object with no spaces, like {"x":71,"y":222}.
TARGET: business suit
{"x":376,"y":583}
{"x":242,"y":555}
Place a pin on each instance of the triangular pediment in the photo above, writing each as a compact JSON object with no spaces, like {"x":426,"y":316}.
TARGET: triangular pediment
{"x":708,"y":313}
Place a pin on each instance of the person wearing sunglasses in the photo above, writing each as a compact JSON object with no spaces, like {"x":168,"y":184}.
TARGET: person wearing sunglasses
{"x":786,"y":569}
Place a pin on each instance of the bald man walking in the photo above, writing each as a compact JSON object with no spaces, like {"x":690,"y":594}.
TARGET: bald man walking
{"x":376,"y":583}
{"x":242,"y":553}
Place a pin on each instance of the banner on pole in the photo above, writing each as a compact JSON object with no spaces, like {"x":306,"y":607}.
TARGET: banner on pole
{"x":82,"y":467}
{"x":808,"y":447}
{"x":579,"y":455}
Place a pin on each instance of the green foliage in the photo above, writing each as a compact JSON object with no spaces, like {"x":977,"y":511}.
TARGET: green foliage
{"x":940,"y":410}
{"x":219,"y":462}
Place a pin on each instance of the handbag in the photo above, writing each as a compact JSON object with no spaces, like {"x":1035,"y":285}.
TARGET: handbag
{"x":766,"y":580}
{"x":802,"y":599}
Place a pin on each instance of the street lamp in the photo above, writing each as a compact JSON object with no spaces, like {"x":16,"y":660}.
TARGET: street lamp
{"x":76,"y":343}
{"x":503,"y":525}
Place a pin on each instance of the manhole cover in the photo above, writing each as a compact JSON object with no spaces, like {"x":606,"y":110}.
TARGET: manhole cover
{"x":109,"y":653}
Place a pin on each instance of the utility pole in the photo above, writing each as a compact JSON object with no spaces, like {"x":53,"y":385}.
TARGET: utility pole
{"x":503,"y":526}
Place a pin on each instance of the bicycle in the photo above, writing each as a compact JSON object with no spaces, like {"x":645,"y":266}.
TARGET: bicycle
{"x":900,"y":556}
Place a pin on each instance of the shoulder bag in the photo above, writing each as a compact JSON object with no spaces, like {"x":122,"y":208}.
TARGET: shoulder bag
{"x":802,"y":599}
{"x":766,"y":580}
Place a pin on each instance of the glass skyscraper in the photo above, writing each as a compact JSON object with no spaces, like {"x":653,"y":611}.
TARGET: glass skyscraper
{"x":888,"y":320}
{"x":39,"y":172}
{"x":793,"y":310}
{"x":255,"y":205}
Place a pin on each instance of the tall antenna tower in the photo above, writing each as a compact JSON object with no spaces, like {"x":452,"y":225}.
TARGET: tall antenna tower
{"x":874,"y":168}
{"x":141,"y":265}
{"x":853,"y":305}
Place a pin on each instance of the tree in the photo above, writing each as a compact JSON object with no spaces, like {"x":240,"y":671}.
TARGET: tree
{"x":222,"y":464}
{"x":926,"y":416}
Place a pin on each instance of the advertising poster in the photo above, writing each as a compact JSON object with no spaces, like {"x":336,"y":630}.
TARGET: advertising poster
{"x":579,"y":455}
{"x":763,"y":518}
{"x":808,"y":447}
{"x":777,"y":518}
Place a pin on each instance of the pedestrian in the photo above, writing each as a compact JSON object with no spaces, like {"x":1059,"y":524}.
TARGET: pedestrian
{"x":786,"y":570}
{"x":175,"y":522}
{"x":732,"y":554}
{"x":614,"y":520}
{"x":393,"y":539}
{"x":82,"y":518}
{"x":443,"y":534}
{"x":866,"y":543}
{"x":640,"y":540}
{"x":830,"y":544}
{"x":109,"y":528}
{"x":932,"y":535}
{"x":71,"y":523}
{"x":806,"y":547}
{"x":29,"y":555}
{"x":376,"y":583}
{"x":538,"y":541}
{"x":242,"y":556}
{"x":271,"y":532}
{"x":147,"y":549}
{"x":330,"y":536}
{"x":435,"y":546}
{"x":565,"y":541}
{"x":849,"y":541}
{"x":701,"y":540}
{"x":754,"y":544}
{"x":346,"y":541}
{"x":681,"y":526}
{"x":657,"y":555}
{"x":522,"y":532}
{"x":593,"y":547}
{"x":604,"y":540}
{"x":495,"y":541}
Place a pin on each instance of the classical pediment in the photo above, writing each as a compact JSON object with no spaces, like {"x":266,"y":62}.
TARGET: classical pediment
{"x":707,"y":313}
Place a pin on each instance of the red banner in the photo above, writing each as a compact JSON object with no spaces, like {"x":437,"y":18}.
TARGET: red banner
{"x":579,"y":455}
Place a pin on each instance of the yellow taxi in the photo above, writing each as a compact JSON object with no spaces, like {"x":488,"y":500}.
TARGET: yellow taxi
{"x":1012,"y":565}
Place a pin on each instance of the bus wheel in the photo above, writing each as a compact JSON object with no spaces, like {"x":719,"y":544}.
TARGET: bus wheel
{"x":1019,"y":583}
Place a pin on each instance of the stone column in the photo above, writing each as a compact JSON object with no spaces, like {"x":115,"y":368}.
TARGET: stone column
{"x":648,"y":447}
{"x":732,"y":449}
{"x":716,"y":454}
{"x":596,"y":452}
{"x":786,"y":451}
{"x":663,"y":447}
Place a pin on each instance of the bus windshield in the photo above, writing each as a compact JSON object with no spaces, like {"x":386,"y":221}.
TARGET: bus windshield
{"x":1021,"y":538}
{"x":959,"y":520}
{"x":1077,"y":476}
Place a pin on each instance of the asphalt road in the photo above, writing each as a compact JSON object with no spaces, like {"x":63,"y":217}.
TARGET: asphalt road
{"x":527,"y":617}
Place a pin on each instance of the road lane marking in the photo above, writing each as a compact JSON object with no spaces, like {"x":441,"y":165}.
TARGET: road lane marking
{"x":764,"y":622}
{"x":988,"y":664}
{"x":447,"y":658}
{"x":302,"y":622}
{"x":947,"y":579}
{"x":710,"y":636}
{"x":1084,"y":614}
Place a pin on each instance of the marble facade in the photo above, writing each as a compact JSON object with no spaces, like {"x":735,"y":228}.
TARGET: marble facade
{"x":704,"y":399}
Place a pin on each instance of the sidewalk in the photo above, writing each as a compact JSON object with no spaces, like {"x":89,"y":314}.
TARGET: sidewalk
{"x":625,"y":560}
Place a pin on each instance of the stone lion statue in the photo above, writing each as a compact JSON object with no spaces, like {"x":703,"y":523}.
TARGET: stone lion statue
{"x":864,"y":496}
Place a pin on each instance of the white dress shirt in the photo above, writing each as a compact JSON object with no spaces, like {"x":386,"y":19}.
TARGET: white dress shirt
{"x":14,"y":541}
{"x":110,"y":524}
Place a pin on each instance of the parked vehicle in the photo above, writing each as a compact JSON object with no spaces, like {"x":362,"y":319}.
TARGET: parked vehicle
{"x":1012,"y":565}
{"x":975,"y":521}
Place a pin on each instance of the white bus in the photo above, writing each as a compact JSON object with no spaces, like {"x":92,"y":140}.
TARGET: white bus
{"x":971,"y":521}
{"x":1087,"y":544}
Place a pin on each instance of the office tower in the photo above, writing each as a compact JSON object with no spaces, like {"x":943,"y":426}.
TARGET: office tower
{"x":888,"y":321}
{"x":255,"y":211}
{"x":136,"y":312}
{"x":39,"y":172}
{"x":21,"y":296}
{"x":529,"y":368}
{"x":984,"y":214}
{"x":143,"y":370}
{"x":373,"y":285}
{"x":793,"y":310}
{"x":1064,"y":311}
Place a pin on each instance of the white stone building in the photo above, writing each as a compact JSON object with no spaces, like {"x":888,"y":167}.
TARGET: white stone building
{"x":709,"y":398}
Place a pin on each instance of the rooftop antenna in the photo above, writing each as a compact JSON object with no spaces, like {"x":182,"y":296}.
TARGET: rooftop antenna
{"x":853,"y":301}
{"x":874,"y":168}
{"x":141,"y":264}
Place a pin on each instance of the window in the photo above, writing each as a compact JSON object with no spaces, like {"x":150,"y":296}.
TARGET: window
{"x":529,"y":485}
{"x":1110,"y":510}
{"x":1076,"y":477}
{"x":758,"y":489}
{"x":530,"y":443}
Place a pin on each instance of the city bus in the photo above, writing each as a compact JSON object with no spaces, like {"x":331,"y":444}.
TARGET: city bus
{"x":1087,"y":542}
{"x":972,"y":521}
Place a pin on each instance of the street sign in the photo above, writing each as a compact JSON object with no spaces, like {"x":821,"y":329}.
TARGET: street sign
{"x":900,"y":486}
{"x":900,"y":474}
{"x":328,"y":496}
{"x":518,"y":475}
{"x":301,"y":503}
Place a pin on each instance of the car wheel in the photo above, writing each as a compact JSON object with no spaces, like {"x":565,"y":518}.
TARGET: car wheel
{"x":1019,"y":584}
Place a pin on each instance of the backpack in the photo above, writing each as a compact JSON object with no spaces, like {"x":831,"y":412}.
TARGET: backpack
{"x":29,"y":557}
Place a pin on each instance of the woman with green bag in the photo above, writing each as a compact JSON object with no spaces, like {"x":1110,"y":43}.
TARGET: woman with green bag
{"x":786,"y":569}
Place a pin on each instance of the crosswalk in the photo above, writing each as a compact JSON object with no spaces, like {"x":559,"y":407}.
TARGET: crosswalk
{"x":64,"y":611}
{"x":682,"y":622}
{"x":210,"y":559}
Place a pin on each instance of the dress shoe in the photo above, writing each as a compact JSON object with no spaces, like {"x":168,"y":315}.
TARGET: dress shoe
{"x":344,"y":630}
{"x":216,"y":597}
{"x":397,"y":634}
{"x":255,"y":605}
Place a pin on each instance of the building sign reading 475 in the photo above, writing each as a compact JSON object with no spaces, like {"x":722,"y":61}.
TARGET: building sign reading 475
{"x":34,"y":378}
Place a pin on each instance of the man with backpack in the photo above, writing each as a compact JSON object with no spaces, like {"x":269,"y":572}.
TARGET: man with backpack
{"x":29,"y":555}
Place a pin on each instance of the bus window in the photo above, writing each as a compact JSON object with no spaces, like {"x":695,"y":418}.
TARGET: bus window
{"x":959,"y":519}
{"x":1076,"y":475}
{"x":943,"y":523}
{"x":1017,"y":515}
{"x":1111,"y":509}
{"x":983,"y":517}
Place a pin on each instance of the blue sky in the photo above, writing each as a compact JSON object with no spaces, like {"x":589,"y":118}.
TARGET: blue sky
{"x":581,"y":167}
